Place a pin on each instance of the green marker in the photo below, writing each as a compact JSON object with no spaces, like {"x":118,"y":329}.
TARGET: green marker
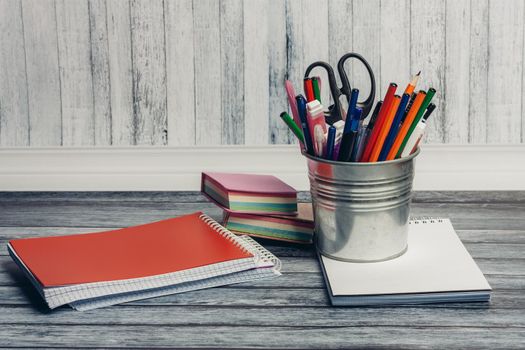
{"x":430,"y":93}
{"x":291,"y":124}
{"x":317,"y":90}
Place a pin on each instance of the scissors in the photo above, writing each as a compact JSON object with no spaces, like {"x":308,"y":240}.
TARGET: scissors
{"x":336,"y":111}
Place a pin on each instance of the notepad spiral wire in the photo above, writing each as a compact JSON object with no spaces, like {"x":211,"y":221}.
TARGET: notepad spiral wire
{"x":425,"y":220}
{"x":57,"y":296}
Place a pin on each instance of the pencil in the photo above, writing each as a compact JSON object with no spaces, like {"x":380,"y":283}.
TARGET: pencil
{"x":412,"y":85}
{"x":385,"y":129}
{"x":406,"y":125}
{"x":389,"y":98}
{"x":421,"y":110}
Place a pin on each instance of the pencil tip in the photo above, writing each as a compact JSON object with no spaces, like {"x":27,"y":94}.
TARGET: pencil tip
{"x":418,"y":73}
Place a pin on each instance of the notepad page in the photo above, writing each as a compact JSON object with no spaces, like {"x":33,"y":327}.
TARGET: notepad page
{"x":436,"y":260}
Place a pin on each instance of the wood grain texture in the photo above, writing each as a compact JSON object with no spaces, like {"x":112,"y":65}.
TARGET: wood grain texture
{"x":255,"y":87}
{"x":277,"y":73}
{"x":76,"y":84}
{"x":233,"y":71}
{"x":395,"y":46}
{"x":290,"y":311}
{"x":428,"y":21}
{"x":206,"y":39}
{"x":180,"y":72}
{"x":120,"y":72}
{"x":149,"y":72}
{"x":478,"y":74}
{"x":104,"y":72}
{"x":43,"y":83}
{"x":100,"y":71}
{"x":457,"y":63}
{"x":505,"y":71}
{"x":14,"y":111}
{"x":366,"y":40}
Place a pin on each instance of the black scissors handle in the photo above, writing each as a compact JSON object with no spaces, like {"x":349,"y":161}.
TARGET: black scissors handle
{"x":346,"y":89}
{"x":335,"y":109}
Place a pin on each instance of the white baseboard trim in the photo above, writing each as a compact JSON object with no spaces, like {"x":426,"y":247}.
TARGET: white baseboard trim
{"x":438,"y":167}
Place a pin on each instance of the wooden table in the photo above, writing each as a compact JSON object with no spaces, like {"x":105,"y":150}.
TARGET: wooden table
{"x":291,"y":311}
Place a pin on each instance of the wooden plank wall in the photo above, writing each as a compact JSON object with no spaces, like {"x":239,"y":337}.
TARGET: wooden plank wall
{"x":209,"y":72}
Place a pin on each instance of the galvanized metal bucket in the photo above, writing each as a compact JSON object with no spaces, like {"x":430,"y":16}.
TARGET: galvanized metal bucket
{"x":361,"y":210}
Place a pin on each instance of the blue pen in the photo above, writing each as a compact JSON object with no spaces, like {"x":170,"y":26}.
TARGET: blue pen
{"x":330,"y":143}
{"x":352,"y":103}
{"x":349,"y":136}
{"x":301,"y":107}
{"x":392,"y":133}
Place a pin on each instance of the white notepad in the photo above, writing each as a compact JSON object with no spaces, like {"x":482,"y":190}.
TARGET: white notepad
{"x":435,"y":268}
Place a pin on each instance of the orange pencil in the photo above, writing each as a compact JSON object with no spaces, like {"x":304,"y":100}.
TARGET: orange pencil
{"x":406,"y":125}
{"x":385,"y":129}
{"x":389,"y":98}
{"x":412,"y":85}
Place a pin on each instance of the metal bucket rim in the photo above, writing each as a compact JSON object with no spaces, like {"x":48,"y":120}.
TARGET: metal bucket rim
{"x":363,"y":164}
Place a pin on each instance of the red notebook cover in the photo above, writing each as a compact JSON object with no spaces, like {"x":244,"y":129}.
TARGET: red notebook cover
{"x":152,"y":249}
{"x":250,"y":183}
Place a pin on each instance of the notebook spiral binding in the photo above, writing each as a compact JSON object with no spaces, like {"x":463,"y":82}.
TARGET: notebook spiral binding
{"x":263,"y":252}
{"x":250,"y":247}
{"x":425,"y":220}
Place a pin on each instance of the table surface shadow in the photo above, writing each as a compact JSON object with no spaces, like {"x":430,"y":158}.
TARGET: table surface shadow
{"x":290,"y":311}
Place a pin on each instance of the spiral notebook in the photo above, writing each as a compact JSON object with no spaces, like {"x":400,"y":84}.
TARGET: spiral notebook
{"x":435,"y":269}
{"x":103,"y":268}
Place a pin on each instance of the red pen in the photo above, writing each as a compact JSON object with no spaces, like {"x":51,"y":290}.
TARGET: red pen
{"x":387,"y":104}
{"x":309,"y":89}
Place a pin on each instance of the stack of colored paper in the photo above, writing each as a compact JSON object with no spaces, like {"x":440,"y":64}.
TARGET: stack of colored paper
{"x":248,"y":193}
{"x":260,"y":206}
{"x":297,"y":228}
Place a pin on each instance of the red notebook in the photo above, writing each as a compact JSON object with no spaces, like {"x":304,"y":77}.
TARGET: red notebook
{"x":147,"y":250}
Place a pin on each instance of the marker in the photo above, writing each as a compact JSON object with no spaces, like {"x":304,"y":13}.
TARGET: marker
{"x":291,"y":124}
{"x":317,"y":126}
{"x":417,"y":135}
{"x":330,"y":143}
{"x":430,"y":93}
{"x":317,"y":88}
{"x":308,"y":89}
{"x":394,"y":128}
{"x":352,"y":103}
{"x":290,"y":92}
{"x":301,"y":108}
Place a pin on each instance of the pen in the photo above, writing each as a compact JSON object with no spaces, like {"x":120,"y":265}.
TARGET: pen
{"x":291,"y":124}
{"x":301,"y":107}
{"x":352,"y":103}
{"x":417,"y":135}
{"x":394,"y":128}
{"x":430,"y":93}
{"x":349,"y":136}
{"x":330,"y":143}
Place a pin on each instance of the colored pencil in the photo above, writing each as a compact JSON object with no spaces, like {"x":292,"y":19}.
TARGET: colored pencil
{"x":389,"y":98}
{"x":406,"y":125}
{"x":394,"y":127}
{"x":430,"y":93}
{"x":412,"y":85}
{"x":385,"y":129}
